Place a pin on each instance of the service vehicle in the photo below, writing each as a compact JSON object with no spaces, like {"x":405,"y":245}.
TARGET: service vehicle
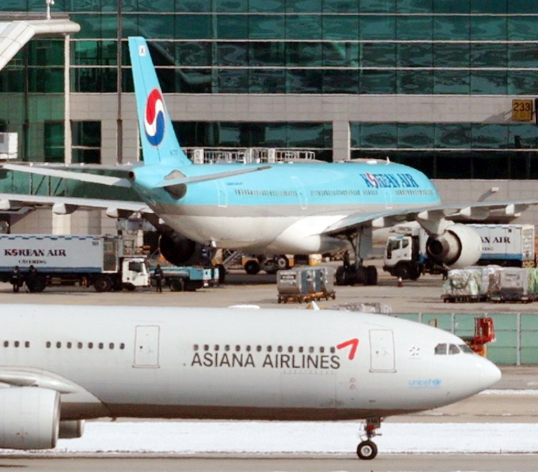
{"x":506,"y":245}
{"x":88,"y":260}
{"x":188,"y":278}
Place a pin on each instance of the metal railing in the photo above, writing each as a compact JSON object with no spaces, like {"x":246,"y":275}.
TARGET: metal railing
{"x":248,"y":155}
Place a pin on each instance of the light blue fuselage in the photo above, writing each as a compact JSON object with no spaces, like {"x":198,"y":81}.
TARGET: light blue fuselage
{"x":273,"y":209}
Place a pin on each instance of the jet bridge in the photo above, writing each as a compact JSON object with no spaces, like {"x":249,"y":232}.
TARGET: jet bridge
{"x":15,"y":34}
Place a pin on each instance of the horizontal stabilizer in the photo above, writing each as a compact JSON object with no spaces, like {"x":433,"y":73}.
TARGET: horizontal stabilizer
{"x":202,"y":178}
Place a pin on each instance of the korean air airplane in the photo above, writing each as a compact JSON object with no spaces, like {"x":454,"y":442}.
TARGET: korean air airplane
{"x":64,"y":364}
{"x":282,"y":208}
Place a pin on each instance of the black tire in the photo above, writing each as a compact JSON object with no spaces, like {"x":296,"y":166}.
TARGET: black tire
{"x":371,"y":275}
{"x":177,"y":285}
{"x":38,"y":284}
{"x":404,"y":271}
{"x":283,"y":263}
{"x":130,"y":287}
{"x":341,"y":276}
{"x":103,"y":284}
{"x":252,"y":267}
{"x":270,"y":267}
{"x":367,"y":450}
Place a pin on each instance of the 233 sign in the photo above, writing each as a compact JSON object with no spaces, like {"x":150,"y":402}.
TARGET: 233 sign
{"x":522,"y":110}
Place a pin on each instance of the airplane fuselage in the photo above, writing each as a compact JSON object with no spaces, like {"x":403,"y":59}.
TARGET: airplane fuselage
{"x":283,"y":209}
{"x":235,"y":364}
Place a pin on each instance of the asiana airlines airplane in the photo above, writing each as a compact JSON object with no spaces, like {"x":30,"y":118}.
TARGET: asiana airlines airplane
{"x":279,"y":208}
{"x":62,"y":365}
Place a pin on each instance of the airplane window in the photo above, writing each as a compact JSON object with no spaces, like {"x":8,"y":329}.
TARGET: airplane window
{"x":111,"y":346}
{"x":80,"y":345}
{"x":333,"y":350}
{"x":227,"y":347}
{"x":311,"y":350}
{"x":259,"y":348}
{"x":27,"y":344}
{"x":48,"y":344}
{"x":301,"y":349}
{"x":321,"y":350}
{"x":16,"y":343}
{"x":453,"y":349}
{"x":69,"y":345}
{"x":238,"y":348}
{"x":101,"y":345}
{"x":216,"y":347}
{"x":6,"y":343}
{"x":206,"y":347}
{"x":290,"y":349}
{"x":58,"y":345}
{"x":90,"y":345}
{"x":466,"y":349}
{"x":440,"y":349}
{"x":279,"y":349}
{"x":248,"y":348}
{"x":269,"y":348}
{"x":195,"y":347}
{"x":122,"y":346}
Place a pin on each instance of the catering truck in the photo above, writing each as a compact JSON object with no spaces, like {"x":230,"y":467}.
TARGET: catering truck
{"x":87,"y":260}
{"x":504,"y":245}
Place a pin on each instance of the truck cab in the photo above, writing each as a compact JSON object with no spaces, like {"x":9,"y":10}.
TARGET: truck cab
{"x":134,"y":272}
{"x":401,"y":257}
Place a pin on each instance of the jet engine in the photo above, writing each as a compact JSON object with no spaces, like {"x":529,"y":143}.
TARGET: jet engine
{"x":29,"y":418}
{"x":178,"y":249}
{"x":459,"y":246}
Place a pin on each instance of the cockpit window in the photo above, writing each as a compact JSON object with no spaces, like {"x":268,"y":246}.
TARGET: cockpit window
{"x":453,"y":349}
{"x":440,"y":349}
{"x":466,"y":349}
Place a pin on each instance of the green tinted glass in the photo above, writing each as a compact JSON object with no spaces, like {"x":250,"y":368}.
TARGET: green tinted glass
{"x":451,"y":82}
{"x":267,"y":27}
{"x":340,"y":27}
{"x":303,"y":27}
{"x":377,"y":54}
{"x":451,"y":27}
{"x":304,"y":80}
{"x":414,"y":27}
{"x":377,"y":27}
{"x":488,"y":27}
{"x":451,"y":55}
{"x":456,"y":135}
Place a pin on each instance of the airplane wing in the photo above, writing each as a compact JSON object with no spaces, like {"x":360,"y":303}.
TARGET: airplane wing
{"x":171,"y":182}
{"x":429,"y":216}
{"x":63,"y":174}
{"x":66,"y":205}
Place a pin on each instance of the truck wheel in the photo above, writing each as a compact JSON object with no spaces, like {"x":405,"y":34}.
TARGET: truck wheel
{"x":37,"y":285}
{"x":252,"y":267}
{"x":130,"y":287}
{"x":177,"y":285}
{"x":403,"y":271}
{"x":103,"y":284}
{"x":371,"y":275}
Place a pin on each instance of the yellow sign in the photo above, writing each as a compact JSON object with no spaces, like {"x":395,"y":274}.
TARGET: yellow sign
{"x":522,"y":110}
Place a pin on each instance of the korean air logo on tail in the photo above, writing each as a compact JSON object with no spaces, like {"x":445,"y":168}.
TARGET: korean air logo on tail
{"x":154,"y":118}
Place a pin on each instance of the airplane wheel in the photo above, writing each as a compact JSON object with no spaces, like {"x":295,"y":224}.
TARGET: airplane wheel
{"x":371,"y":275}
{"x":252,"y":267}
{"x":367,"y":450}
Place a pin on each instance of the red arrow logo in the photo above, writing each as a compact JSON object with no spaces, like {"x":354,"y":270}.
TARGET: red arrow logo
{"x":354,"y":343}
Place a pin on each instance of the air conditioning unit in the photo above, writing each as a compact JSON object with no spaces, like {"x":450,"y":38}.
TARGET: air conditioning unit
{"x":9,"y":145}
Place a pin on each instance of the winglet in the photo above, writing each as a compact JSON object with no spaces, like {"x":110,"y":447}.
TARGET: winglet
{"x":159,"y":141}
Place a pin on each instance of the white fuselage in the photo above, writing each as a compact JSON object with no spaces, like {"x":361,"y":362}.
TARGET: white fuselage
{"x":230,"y":363}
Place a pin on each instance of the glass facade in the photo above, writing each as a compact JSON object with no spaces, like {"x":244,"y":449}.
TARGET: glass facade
{"x":321,"y":47}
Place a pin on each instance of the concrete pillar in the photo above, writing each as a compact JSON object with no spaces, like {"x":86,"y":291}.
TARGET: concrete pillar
{"x":341,"y":141}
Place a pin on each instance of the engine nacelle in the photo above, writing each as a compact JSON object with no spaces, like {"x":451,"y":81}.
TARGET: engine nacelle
{"x":71,"y":429}
{"x":459,"y":246}
{"x":29,"y":418}
{"x":179,"y":250}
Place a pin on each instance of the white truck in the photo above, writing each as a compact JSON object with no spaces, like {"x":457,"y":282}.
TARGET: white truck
{"x":504,"y":245}
{"x":88,"y":260}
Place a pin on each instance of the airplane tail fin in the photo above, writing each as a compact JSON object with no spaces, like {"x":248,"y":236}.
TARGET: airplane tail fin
{"x":159,"y":141}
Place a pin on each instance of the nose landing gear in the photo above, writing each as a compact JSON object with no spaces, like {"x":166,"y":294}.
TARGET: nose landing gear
{"x":367,"y":449}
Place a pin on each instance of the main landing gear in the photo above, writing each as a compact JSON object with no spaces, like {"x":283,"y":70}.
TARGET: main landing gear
{"x":351,"y":273}
{"x":367,"y":449}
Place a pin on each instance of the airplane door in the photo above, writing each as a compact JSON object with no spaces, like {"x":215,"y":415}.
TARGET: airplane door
{"x":147,"y":347}
{"x":382,"y":351}
{"x":388,"y":198}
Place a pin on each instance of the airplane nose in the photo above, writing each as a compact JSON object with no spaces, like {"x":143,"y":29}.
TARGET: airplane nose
{"x":489,"y":374}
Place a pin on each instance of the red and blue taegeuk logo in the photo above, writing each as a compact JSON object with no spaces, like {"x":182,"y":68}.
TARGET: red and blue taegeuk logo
{"x":154,"y":122}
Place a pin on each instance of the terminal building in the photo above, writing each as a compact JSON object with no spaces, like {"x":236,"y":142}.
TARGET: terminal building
{"x":445,"y":86}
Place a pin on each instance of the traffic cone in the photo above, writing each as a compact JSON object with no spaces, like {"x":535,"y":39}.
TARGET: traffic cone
{"x":400,"y":282}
